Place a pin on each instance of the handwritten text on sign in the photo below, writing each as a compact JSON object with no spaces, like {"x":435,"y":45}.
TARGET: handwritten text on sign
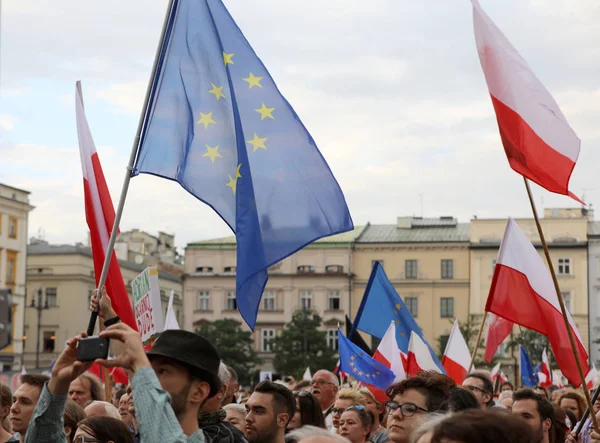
{"x":146,"y":303}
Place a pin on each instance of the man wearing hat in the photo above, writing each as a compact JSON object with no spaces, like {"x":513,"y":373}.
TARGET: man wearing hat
{"x":170,"y":383}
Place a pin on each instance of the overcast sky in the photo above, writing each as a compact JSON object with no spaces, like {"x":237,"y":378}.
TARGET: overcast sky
{"x":391,"y":90}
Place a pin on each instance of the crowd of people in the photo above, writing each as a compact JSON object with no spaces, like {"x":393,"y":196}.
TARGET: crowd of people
{"x":180,"y":391}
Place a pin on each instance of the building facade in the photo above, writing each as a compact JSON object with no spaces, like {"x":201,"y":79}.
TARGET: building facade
{"x":594,"y":289}
{"x":14,"y":212}
{"x":427,"y":261}
{"x":566,"y":232}
{"x":146,"y":249}
{"x":318,"y":277}
{"x":62,"y":278}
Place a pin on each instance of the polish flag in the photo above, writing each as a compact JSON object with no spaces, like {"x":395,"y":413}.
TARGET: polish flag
{"x":456,"y":357}
{"x":388,"y":354}
{"x":590,"y":377}
{"x":545,"y":370}
{"x":557,"y":378}
{"x":497,"y":330}
{"x":340,"y":374}
{"x":100,"y":215}
{"x":537,"y":138}
{"x":495,"y":372}
{"x":419,"y":357}
{"x":523,"y":292}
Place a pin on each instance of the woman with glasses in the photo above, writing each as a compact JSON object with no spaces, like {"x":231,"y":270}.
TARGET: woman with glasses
{"x":308,"y":411}
{"x":412,"y":399}
{"x":102,"y":430}
{"x":346,"y":397}
{"x":355,"y":424}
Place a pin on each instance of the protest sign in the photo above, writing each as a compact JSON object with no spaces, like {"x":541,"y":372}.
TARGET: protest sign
{"x":146,"y":303}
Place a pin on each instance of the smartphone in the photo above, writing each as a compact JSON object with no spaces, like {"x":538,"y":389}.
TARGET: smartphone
{"x":91,"y":348}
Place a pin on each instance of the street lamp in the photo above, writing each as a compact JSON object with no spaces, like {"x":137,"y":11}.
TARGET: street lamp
{"x":39,"y":308}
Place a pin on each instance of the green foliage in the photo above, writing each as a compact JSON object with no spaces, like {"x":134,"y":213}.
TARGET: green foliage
{"x":534,"y":343}
{"x":235,"y":347}
{"x":302,"y":344}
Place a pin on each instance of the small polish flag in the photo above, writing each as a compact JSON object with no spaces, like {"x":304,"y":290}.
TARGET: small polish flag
{"x":547,"y":377}
{"x":456,"y":357}
{"x":419,"y":356}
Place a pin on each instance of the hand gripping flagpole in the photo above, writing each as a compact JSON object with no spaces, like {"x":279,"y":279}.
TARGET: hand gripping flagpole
{"x":160,"y":52}
{"x":562,"y":305}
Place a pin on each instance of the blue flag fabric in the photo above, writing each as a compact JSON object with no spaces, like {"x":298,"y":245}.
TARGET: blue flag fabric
{"x":217,"y":124}
{"x":380,"y":306}
{"x":357,"y":363}
{"x":528,"y":376}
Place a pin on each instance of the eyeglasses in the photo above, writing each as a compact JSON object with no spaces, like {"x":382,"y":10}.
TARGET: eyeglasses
{"x":407,"y":409}
{"x":86,"y":440}
{"x":475,"y":388}
{"x":321,"y":382}
{"x":335,"y":411}
{"x":301,"y":393}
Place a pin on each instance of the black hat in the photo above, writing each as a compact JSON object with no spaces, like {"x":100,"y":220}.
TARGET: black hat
{"x":194,"y":352}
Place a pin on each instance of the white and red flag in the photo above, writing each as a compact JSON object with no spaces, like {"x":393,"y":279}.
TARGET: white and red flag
{"x":557,"y":378}
{"x":537,"y":138}
{"x":456,"y":357}
{"x":388,"y":353}
{"x":590,"y":378}
{"x":546,"y":376}
{"x":419,"y":356}
{"x":496,"y":372}
{"x":498,"y":329}
{"x":523,"y":292}
{"x":100,"y":215}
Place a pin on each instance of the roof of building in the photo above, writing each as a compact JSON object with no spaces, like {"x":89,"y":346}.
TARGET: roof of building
{"x":332,"y":241}
{"x":16,"y":189}
{"x":40,"y":247}
{"x":421,"y":231}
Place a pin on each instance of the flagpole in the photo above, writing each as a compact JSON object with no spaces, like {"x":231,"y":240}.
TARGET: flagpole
{"x":125,"y":188}
{"x":561,"y":303}
{"x":477,"y":342}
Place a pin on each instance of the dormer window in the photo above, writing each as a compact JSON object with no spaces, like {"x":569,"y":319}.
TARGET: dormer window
{"x":306,"y":269}
{"x":334,"y":269}
{"x":229,"y":269}
{"x":204,"y":269}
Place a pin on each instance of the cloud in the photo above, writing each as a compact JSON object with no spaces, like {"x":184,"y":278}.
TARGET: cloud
{"x":6,"y":122}
{"x":126,"y":97}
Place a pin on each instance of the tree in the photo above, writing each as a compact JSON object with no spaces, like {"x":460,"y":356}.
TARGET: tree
{"x":469,"y":330}
{"x":234,"y":345}
{"x":302,"y":344}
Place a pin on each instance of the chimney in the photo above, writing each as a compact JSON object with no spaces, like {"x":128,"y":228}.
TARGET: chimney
{"x":404,"y":222}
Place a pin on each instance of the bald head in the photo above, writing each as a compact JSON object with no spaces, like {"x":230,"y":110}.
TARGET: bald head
{"x":102,"y":409}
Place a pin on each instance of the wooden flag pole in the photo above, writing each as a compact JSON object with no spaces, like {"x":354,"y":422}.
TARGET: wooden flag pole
{"x":478,"y":341}
{"x":562,"y":304}
{"x":107,"y":382}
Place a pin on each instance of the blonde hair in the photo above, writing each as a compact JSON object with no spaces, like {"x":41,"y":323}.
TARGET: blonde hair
{"x":368,"y":394}
{"x":350,"y":394}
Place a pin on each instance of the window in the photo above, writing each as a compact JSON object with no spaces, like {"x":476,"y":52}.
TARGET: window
{"x":49,"y":340}
{"x":231,"y":302}
{"x":306,"y":269}
{"x":567,"y":299}
{"x":12,"y":227}
{"x":267,"y":337}
{"x":412,"y":304}
{"x":376,"y":261}
{"x":51,"y":299}
{"x":447,"y":307}
{"x":332,"y":339}
{"x":229,"y":269}
{"x":564,"y":266}
{"x":443,"y":343}
{"x":269,"y":301}
{"x":305,"y":300}
{"x":333,"y":300}
{"x":410,"y":269}
{"x":11,"y":271}
{"x":204,"y":269}
{"x":334,"y":269}
{"x":203,"y":301}
{"x":447,"y":268}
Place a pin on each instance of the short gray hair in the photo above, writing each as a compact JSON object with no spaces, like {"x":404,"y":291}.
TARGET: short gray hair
{"x":235,"y":407}
{"x":332,"y":377}
{"x":224,"y":374}
{"x":428,"y":424}
{"x":300,"y":434}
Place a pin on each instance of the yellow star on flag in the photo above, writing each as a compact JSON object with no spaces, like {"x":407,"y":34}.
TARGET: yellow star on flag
{"x":265,"y":112}
{"x":232,"y":184}
{"x":360,"y":372}
{"x":398,"y":306}
{"x":354,"y":370}
{"x":368,"y":375}
{"x":206,"y":119}
{"x":402,"y":334}
{"x":253,"y":81}
{"x":351,"y":363}
{"x":237,"y":171}
{"x":353,"y":357}
{"x":228,"y":58}
{"x":212,"y":153}
{"x":395,"y":313}
{"x":258,"y":143}
{"x":217,"y":91}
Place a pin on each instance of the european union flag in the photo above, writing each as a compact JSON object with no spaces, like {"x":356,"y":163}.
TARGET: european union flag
{"x":528,"y":377}
{"x":217,"y":124}
{"x":361,"y":366}
{"x":380,"y":306}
